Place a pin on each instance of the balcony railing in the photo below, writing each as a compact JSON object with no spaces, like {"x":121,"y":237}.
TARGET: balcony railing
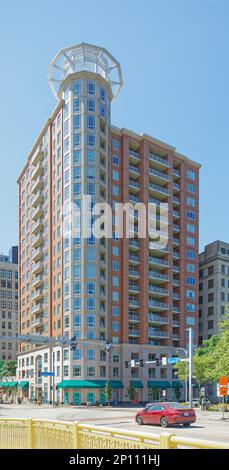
{"x":159,"y":261}
{"x":134,"y":154}
{"x":159,"y":305}
{"x":158,"y":319}
{"x":156,"y":158}
{"x":134,"y":169}
{"x":159,"y":174}
{"x":157,"y":333}
{"x":158,"y":290}
{"x":157,"y":275}
{"x":158,"y":189}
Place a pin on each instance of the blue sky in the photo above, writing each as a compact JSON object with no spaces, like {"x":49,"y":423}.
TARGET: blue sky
{"x":174,"y":58}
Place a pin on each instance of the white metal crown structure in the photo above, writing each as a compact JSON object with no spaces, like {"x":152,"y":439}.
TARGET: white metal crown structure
{"x":84,"y":57}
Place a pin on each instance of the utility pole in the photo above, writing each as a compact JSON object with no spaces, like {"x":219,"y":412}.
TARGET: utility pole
{"x":53,"y":377}
{"x":186,"y":380}
{"x":190,"y":347}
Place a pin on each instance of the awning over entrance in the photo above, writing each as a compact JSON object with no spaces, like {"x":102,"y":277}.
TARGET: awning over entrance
{"x":8,"y":384}
{"x":23,"y":384}
{"x":89,"y":384}
{"x":177,"y":383}
{"x":159,"y":384}
{"x":137,"y":383}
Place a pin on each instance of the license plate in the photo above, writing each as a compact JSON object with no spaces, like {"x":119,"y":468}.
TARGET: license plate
{"x":186,"y":414}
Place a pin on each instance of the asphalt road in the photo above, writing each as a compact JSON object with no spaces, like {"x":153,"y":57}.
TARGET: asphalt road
{"x":208,"y":425}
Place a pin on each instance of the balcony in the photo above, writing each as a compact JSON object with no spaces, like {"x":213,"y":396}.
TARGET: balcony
{"x":37,"y":321}
{"x":133,"y":303}
{"x":38,"y":171}
{"x":176,"y":200}
{"x":134,"y":185}
{"x":176,"y":282}
{"x":38,"y":155}
{"x":176,"y":309}
{"x":37,"y":268}
{"x":134,"y":199}
{"x":134,"y":258}
{"x":158,"y":319}
{"x":155,"y":305}
{"x":37,"y":309}
{"x":176,"y":255}
{"x":176,"y":228}
{"x":37,"y":212}
{"x":159,"y":191}
{"x":37,"y":254}
{"x":37,"y":241}
{"x":154,"y":333}
{"x":37,"y":227}
{"x":134,"y":170}
{"x":176,"y":241}
{"x":176,"y":296}
{"x":160,"y":291}
{"x":159,"y":176}
{"x":38,"y":199}
{"x":176,"y":187}
{"x":176,"y":324}
{"x":161,"y":263}
{"x":176,"y":173}
{"x":133,"y":332}
{"x":134,"y":244}
{"x":158,"y":277}
{"x":176,"y":337}
{"x":133,"y":273}
{"x":159,"y":161}
{"x":176,"y":214}
{"x":176,"y":269}
{"x":133,"y":318}
{"x":37,"y":281}
{"x":37,"y":295}
{"x":133,"y":155}
{"x":133,"y":288}
{"x":37,"y":186}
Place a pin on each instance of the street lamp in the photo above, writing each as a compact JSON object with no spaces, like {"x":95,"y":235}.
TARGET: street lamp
{"x":108,"y":347}
{"x":186,"y":360}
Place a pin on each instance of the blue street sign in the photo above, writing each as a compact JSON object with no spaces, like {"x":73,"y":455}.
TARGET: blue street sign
{"x":46,"y":374}
{"x":173,"y":360}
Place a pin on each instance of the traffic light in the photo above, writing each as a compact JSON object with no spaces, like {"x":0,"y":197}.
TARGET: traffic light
{"x":157,"y":361}
{"x":126,"y":364}
{"x":141,"y":363}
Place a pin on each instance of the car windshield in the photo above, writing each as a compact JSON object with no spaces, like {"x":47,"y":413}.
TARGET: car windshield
{"x":176,"y":406}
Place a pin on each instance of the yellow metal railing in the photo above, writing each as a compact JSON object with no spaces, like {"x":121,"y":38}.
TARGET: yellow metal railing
{"x":49,"y":434}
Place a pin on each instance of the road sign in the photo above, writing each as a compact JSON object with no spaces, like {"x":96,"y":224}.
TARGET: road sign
{"x":173,"y":360}
{"x":164,"y":393}
{"x":132,"y":363}
{"x":164,"y":361}
{"x":223,"y":386}
{"x":46,"y":374}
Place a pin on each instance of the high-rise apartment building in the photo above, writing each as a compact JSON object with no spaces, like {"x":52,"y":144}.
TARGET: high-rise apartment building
{"x":213,"y":287}
{"x":8,"y":305}
{"x":126,"y":292}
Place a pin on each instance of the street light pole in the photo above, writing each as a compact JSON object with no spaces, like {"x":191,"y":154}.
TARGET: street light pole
{"x":186,"y":379}
{"x":53,"y":378}
{"x":190,"y":350}
{"x":108,"y":347}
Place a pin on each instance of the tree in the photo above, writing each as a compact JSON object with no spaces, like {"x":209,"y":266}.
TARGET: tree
{"x":108,"y":392}
{"x":131,"y":392}
{"x":177,"y":392}
{"x":201,"y":368}
{"x":9,"y":368}
{"x":154,"y":391}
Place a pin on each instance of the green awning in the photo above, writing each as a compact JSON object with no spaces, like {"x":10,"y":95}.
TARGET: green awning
{"x":177,"y":383}
{"x":8,"y":384}
{"x":89,"y":384}
{"x":158,"y":384}
{"x":137,"y":383}
{"x":23,"y":384}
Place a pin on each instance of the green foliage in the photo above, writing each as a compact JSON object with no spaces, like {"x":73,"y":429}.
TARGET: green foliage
{"x":108,"y":391}
{"x":177,"y":392}
{"x":154,"y":393}
{"x":211,"y":360}
{"x":7,"y":368}
{"x":131,"y":392}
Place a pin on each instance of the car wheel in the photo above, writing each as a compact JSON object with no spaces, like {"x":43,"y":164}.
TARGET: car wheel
{"x":139,"y":420}
{"x":186,"y":425}
{"x":164,"y":422}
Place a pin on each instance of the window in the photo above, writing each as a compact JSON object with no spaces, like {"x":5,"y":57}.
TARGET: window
{"x":191,"y":307}
{"x":191,"y":241}
{"x":211,"y":297}
{"x":91,"y":140}
{"x":191,"y":268}
{"x":191,"y":201}
{"x":191,"y":187}
{"x":210,"y":324}
{"x":91,"y":105}
{"x":76,"y":105}
{"x":76,"y":140}
{"x":191,"y":175}
{"x":76,"y":87}
{"x":90,"y":354}
{"x":115,"y":160}
{"x":115,"y":311}
{"x":115,"y":144}
{"x":102,"y":94}
{"x":77,"y":122}
{"x":210,"y":283}
{"x":90,"y":88}
{"x":76,"y":371}
{"x":191,"y":215}
{"x":191,"y":228}
{"x":115,"y":190}
{"x":115,"y":326}
{"x":191,"y":280}
{"x":210,"y":311}
{"x":90,"y":122}
{"x":91,"y":156}
{"x":191,"y":254}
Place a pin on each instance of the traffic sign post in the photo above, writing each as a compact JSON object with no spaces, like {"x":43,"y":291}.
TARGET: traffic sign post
{"x":223,"y":390}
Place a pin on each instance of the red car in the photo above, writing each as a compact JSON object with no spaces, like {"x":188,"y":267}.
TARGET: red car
{"x":166,"y":413}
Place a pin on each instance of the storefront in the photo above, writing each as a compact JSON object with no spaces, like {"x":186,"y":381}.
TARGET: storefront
{"x":77,"y":392}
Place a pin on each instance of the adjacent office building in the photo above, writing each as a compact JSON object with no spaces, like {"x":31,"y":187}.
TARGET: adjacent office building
{"x":214,"y":288}
{"x":8,"y":304}
{"x":125,"y":292}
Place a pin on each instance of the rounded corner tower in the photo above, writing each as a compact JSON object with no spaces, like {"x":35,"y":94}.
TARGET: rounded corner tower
{"x":84,"y":58}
